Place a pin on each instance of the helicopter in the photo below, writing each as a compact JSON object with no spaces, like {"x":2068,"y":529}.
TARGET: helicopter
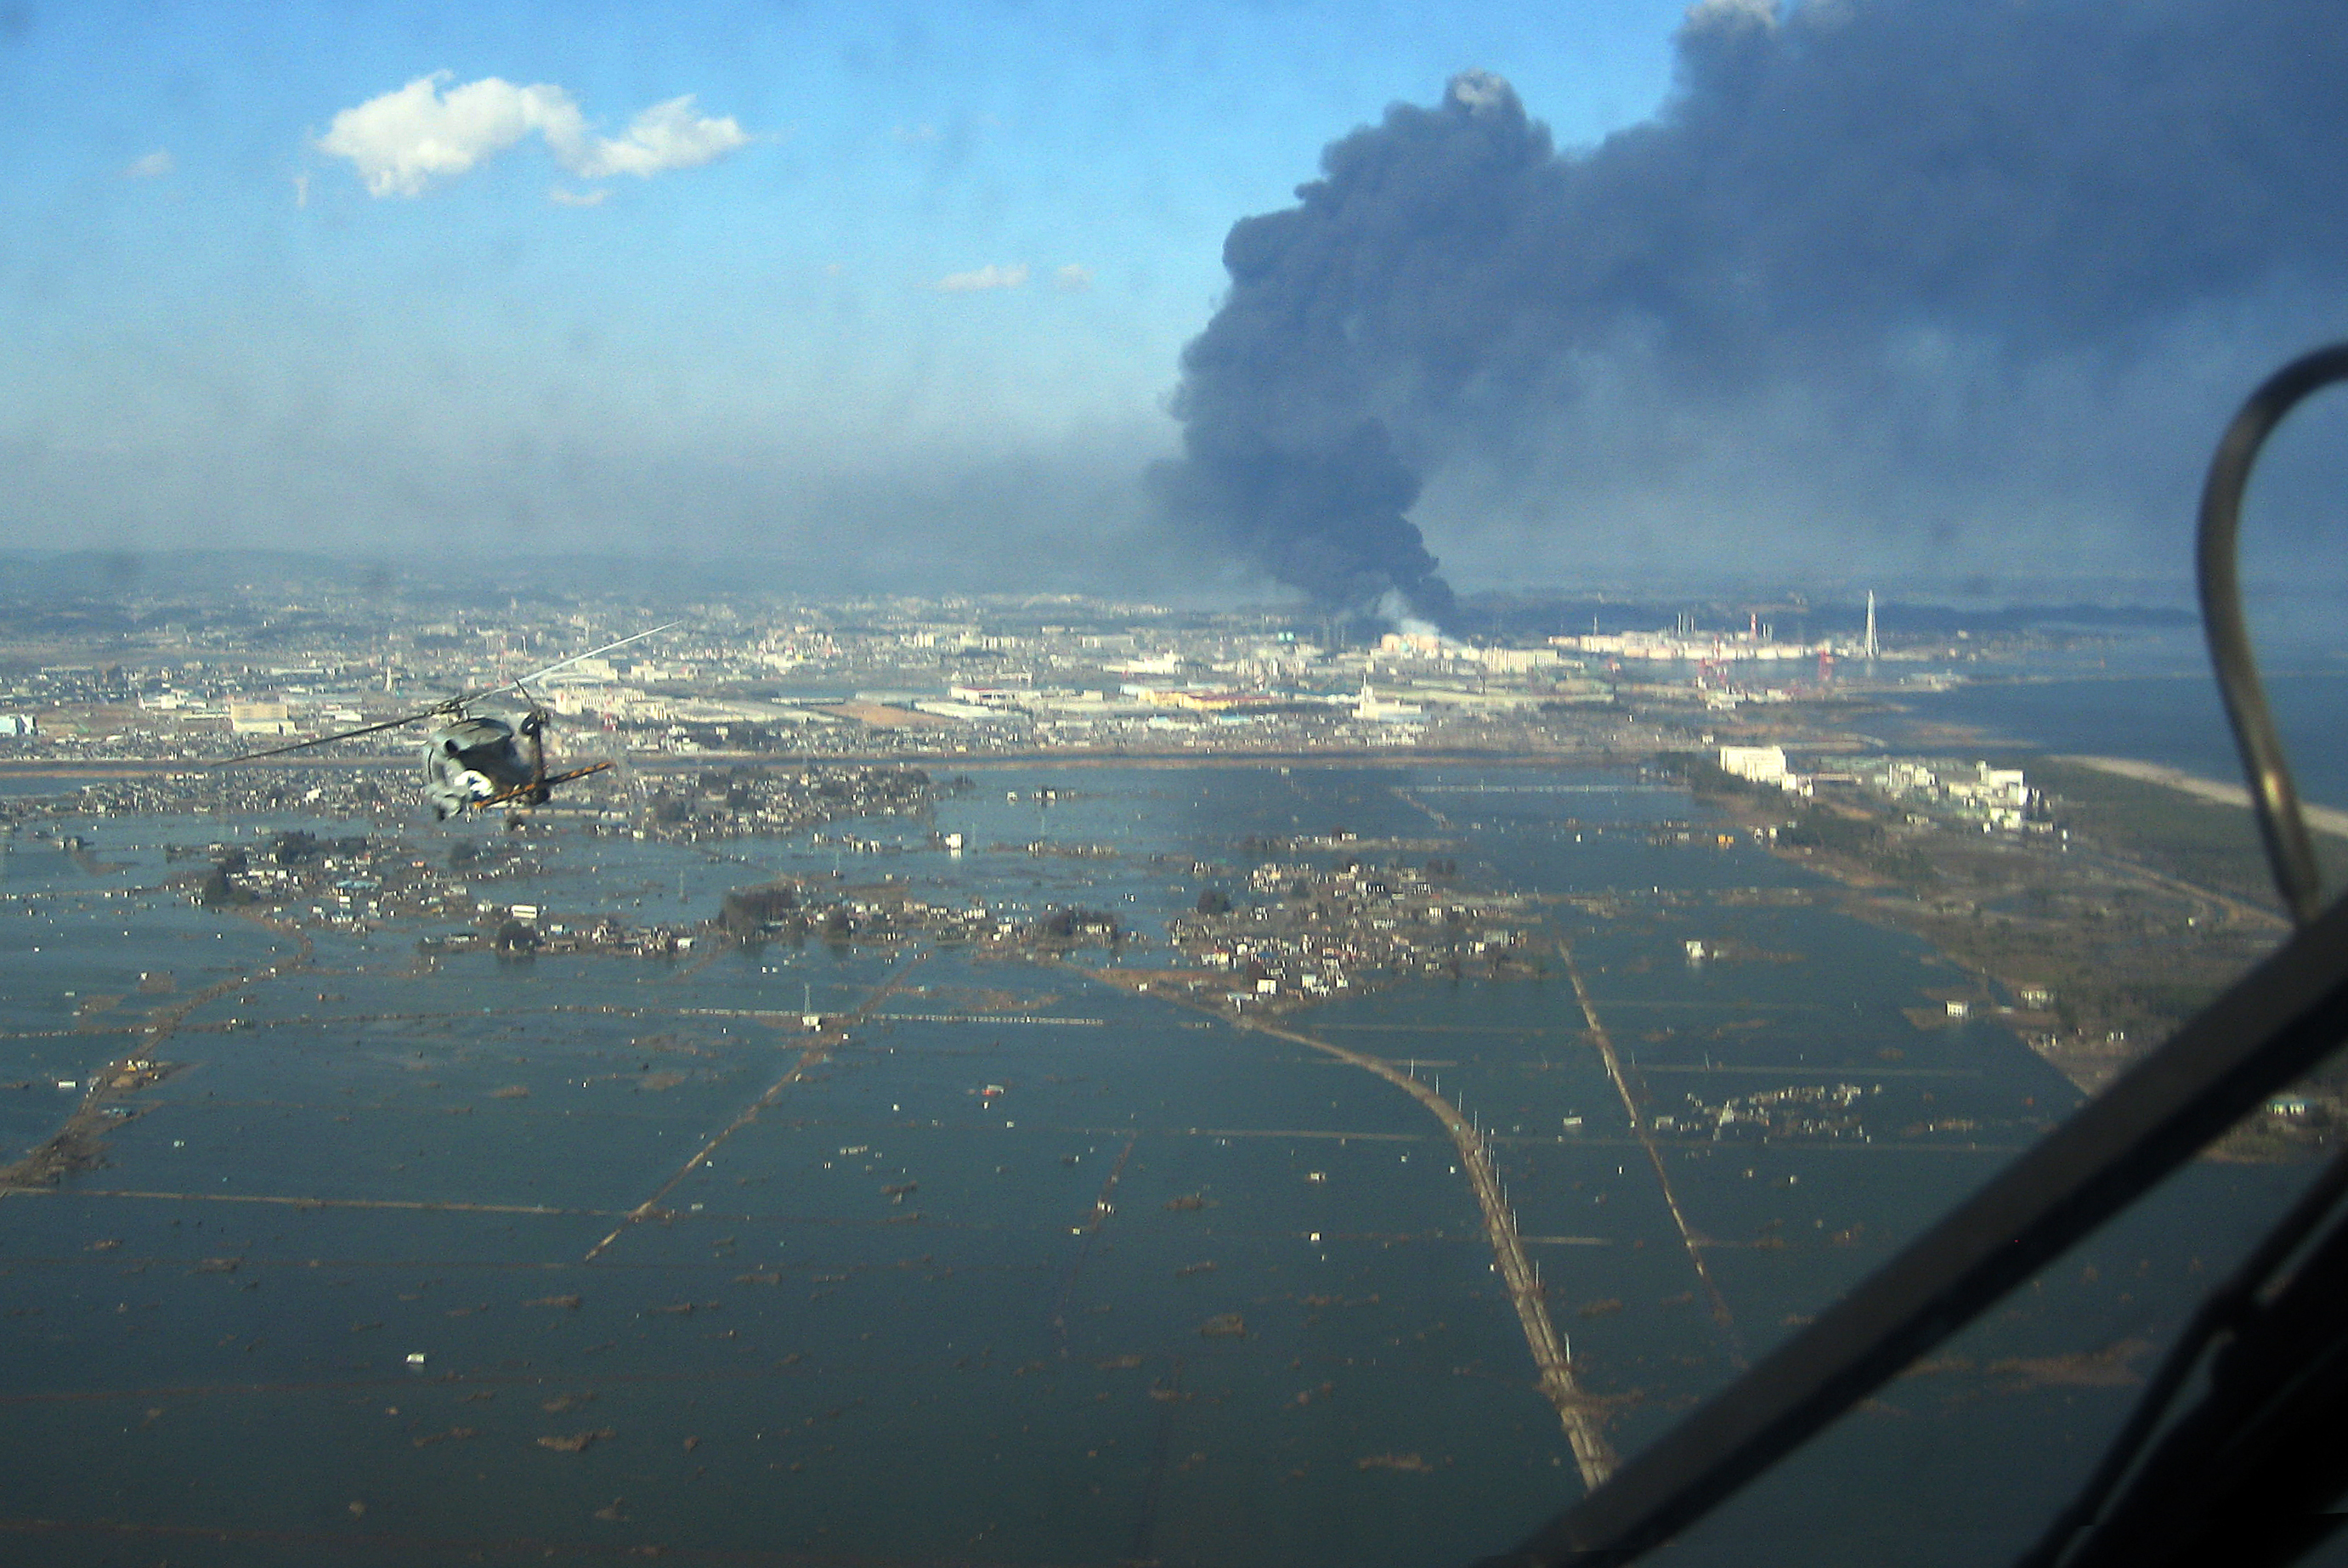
{"x":475,"y":760}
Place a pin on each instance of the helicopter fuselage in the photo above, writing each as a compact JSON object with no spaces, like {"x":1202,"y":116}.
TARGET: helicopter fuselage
{"x":472,"y":760}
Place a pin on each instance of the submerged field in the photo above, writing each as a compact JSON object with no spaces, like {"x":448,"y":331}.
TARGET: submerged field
{"x":1012,"y":1262}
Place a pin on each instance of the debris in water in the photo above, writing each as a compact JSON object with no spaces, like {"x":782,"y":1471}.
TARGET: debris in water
{"x":454,"y":1434}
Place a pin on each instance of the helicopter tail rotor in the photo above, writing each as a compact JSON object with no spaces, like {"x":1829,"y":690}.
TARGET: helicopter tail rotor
{"x":533,"y":728}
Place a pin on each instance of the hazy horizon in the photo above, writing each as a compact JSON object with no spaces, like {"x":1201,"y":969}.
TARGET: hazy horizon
{"x":1839,"y":290}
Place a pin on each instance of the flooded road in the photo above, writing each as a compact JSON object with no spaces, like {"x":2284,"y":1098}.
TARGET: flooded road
{"x":420,"y":1257}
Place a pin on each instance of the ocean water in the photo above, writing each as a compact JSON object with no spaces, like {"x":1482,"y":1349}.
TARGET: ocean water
{"x":2154,"y":699}
{"x":204,"y":1352}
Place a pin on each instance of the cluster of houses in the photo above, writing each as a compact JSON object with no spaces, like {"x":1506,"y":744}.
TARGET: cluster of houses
{"x":1311,"y":932}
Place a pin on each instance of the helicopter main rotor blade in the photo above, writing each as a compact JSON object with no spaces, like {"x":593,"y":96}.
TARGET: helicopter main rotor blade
{"x":329,"y":739}
{"x":452,"y":705}
{"x":519,"y":681}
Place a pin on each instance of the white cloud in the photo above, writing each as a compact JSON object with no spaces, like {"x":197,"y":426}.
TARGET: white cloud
{"x":403,"y":141}
{"x":1073,"y":279}
{"x":1477,"y":91}
{"x":562,"y":197}
{"x":154,"y":166}
{"x":301,"y":190}
{"x":986,"y":277}
{"x":664,"y":137}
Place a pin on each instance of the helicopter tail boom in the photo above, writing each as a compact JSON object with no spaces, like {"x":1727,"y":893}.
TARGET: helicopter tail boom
{"x":535,"y":791}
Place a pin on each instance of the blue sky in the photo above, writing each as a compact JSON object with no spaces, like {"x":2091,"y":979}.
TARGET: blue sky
{"x":224,"y":337}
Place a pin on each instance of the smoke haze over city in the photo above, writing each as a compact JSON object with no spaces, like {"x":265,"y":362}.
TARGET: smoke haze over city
{"x":892,"y":301}
{"x":1885,"y":278}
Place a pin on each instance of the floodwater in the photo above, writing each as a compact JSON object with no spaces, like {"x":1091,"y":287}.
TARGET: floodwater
{"x":892,"y":1318}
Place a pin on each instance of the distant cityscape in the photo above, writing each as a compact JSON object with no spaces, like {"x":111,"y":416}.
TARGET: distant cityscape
{"x":756,"y":718}
{"x":1143,"y":1016}
{"x":913,"y":677}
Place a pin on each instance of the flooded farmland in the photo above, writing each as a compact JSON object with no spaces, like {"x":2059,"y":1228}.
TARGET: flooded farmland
{"x":914,"y":1250}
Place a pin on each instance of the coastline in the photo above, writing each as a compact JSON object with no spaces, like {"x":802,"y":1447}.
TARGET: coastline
{"x":2323,"y":818}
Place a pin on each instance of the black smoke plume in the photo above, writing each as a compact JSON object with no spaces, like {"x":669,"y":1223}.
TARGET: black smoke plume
{"x":1954,"y":274}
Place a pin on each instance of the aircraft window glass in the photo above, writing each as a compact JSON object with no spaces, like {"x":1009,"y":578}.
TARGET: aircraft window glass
{"x":1966,"y":1457}
{"x":1196,"y":785}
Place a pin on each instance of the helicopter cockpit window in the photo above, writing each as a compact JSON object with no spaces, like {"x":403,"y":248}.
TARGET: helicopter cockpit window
{"x":1190,"y":784}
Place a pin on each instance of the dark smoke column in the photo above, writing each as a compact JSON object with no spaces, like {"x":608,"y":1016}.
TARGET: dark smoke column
{"x":1325,"y":514}
{"x":1963,"y":284}
{"x":1327,"y":346}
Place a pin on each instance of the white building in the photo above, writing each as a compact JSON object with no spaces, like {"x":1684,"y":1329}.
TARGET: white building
{"x":259,"y":718}
{"x":1761,"y":764}
{"x":1378,"y":710}
{"x":1517,"y":661}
